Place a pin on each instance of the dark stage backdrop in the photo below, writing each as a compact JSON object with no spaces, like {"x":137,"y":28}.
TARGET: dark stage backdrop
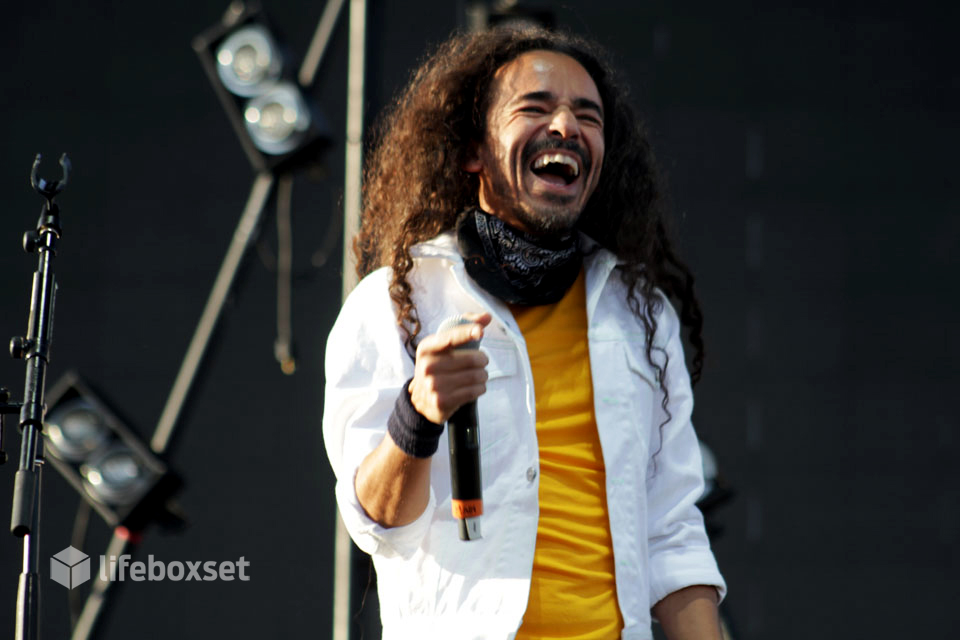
{"x":811,"y":153}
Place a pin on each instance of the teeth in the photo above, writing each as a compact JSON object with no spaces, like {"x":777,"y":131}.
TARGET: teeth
{"x":557,"y":158}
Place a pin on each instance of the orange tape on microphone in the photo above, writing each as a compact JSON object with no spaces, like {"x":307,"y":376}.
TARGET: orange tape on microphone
{"x":463,"y":509}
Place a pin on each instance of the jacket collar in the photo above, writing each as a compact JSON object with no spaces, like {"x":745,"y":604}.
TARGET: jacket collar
{"x":598,"y":262}
{"x":445,"y":246}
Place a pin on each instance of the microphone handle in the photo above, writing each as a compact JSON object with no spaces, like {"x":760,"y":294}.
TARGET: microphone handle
{"x":465,"y":481}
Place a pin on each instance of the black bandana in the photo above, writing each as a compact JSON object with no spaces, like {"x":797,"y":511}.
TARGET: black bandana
{"x":514,"y":266}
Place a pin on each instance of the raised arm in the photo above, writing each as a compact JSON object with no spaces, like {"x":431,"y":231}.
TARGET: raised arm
{"x":393,"y":481}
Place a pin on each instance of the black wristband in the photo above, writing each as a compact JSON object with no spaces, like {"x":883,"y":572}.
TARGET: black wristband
{"x":415,"y":435}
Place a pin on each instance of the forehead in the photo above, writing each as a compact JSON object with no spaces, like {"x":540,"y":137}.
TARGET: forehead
{"x":543,"y":71}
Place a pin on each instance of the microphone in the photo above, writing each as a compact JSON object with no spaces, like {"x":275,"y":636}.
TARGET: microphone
{"x":464,"y":439}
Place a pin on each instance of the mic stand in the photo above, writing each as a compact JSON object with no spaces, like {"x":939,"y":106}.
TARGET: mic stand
{"x":35,"y":349}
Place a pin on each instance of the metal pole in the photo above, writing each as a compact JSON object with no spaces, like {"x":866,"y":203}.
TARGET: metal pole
{"x":318,"y":46}
{"x":353,"y":170}
{"x":95,"y":602}
{"x":242,"y":237}
{"x":354,"y":152}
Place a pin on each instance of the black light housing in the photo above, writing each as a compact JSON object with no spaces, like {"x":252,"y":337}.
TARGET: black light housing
{"x":252,"y":75}
{"x":486,"y":14}
{"x":104,"y":460}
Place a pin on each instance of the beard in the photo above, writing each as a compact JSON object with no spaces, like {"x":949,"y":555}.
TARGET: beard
{"x":551,"y":214}
{"x":553,"y":217}
{"x":540,"y":213}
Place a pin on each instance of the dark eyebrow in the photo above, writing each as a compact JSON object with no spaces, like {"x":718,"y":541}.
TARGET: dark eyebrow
{"x":579,"y":103}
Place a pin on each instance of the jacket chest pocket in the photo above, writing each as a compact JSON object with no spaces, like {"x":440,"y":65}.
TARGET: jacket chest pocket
{"x":498,"y":406}
{"x":626,"y":394}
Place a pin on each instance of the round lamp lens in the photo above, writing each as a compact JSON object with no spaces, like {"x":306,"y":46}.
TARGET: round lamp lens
{"x":74,"y":430}
{"x":247,"y":61}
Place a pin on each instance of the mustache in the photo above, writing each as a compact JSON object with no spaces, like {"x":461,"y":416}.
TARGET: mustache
{"x":553,"y":144}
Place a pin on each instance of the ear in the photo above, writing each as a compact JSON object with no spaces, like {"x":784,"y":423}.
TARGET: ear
{"x":472,"y":163}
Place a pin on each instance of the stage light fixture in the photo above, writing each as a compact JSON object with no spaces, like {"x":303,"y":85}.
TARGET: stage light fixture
{"x":75,"y":430}
{"x":102,"y":458}
{"x":250,"y":72}
{"x":248,"y":60}
{"x":278,"y":120}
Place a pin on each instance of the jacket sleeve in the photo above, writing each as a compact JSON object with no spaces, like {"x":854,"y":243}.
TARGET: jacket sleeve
{"x":366,"y":366}
{"x":680,"y":554}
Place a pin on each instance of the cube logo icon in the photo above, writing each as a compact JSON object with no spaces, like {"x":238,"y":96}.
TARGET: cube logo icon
{"x":70,"y":567}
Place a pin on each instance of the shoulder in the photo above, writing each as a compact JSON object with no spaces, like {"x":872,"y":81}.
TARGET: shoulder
{"x":369,"y":307}
{"x":368,"y":304}
{"x":374,"y":288}
{"x":443,"y":246}
{"x":366,"y":320}
{"x":618,"y":298}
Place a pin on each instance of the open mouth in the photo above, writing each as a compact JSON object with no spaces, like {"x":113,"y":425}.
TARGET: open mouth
{"x":556,"y":168}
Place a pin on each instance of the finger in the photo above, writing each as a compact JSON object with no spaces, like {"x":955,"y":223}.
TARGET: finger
{"x":472,"y":323}
{"x":450,"y":361}
{"x":451,"y":339}
{"x":452,"y":381}
{"x":457,"y":335}
{"x":482,"y":318}
{"x":448,"y":404}
{"x":436,"y":405}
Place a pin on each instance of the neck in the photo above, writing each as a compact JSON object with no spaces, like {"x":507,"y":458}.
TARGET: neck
{"x":516,"y":266}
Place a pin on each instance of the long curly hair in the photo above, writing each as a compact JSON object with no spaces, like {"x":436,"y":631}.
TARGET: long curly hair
{"x":415,"y":186}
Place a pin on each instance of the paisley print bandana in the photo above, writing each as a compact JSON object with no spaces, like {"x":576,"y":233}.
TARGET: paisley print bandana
{"x":517,"y":267}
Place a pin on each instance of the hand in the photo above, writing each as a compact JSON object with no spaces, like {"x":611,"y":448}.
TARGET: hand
{"x":445,"y":377}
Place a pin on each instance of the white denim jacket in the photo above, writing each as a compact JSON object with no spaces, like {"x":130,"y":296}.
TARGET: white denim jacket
{"x":432,"y":584}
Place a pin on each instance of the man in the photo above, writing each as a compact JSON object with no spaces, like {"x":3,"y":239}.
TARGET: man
{"x":512,"y":185}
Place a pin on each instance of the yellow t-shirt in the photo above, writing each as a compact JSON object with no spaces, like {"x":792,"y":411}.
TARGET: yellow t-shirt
{"x":572,"y":589}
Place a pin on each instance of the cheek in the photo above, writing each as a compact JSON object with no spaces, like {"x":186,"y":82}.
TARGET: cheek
{"x":513,"y":142}
{"x":499,"y":152}
{"x":598,"y":154}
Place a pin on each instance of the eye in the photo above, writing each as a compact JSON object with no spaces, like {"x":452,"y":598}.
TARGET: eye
{"x":591,"y":117}
{"x":532,"y":109}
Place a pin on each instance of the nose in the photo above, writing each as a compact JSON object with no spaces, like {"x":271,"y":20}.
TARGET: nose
{"x":564,"y":124}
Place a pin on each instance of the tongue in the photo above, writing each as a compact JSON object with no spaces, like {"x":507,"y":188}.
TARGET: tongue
{"x":552,"y":178}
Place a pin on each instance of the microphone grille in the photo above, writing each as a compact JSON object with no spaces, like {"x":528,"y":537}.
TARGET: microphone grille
{"x":451,"y":322}
{"x":454,"y":321}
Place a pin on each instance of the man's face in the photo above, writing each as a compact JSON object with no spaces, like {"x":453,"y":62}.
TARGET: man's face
{"x":541,"y":156}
